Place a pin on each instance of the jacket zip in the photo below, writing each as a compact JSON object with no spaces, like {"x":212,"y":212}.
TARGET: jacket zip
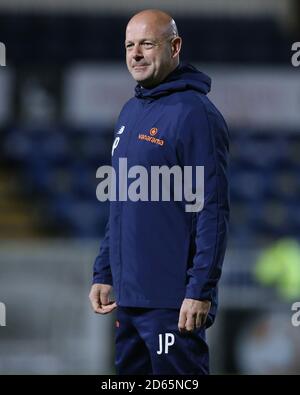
{"x":121,"y":202}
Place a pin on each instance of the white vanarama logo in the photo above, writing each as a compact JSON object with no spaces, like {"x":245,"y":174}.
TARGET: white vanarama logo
{"x":121,"y":130}
{"x":117,"y":139}
{"x":165,"y":184}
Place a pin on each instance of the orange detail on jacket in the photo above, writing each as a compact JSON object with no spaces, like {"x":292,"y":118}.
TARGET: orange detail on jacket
{"x":150,"y":138}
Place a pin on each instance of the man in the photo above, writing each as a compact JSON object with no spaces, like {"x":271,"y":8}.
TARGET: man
{"x":163,"y":262}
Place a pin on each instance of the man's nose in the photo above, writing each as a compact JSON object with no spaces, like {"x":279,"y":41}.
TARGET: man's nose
{"x":137,"y":53}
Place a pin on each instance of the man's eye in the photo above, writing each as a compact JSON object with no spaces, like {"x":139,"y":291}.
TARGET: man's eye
{"x":128,"y":45}
{"x":148,"y":45}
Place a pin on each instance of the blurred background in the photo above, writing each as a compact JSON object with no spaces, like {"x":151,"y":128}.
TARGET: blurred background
{"x":62,"y":88}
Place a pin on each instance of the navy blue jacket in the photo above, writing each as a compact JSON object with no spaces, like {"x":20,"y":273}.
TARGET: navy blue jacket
{"x":155,"y":254}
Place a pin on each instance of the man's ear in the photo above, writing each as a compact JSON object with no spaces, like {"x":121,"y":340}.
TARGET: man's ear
{"x":176,"y":46}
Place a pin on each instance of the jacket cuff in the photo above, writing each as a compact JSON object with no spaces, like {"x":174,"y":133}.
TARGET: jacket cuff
{"x":103,"y":279}
{"x":195,"y":292}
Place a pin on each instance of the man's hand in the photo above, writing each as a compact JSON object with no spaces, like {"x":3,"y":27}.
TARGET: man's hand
{"x":193,"y":314}
{"x":99,"y":297}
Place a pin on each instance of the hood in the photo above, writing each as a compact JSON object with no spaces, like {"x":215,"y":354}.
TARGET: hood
{"x":184,"y":77}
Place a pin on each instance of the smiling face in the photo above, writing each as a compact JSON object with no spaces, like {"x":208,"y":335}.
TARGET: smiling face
{"x":152,"y":47}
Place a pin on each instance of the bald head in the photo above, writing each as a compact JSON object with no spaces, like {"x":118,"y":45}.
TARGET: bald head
{"x":152,"y":46}
{"x":158,"y":20}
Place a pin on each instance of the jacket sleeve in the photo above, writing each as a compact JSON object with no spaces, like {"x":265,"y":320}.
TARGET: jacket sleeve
{"x":102,"y":272}
{"x":203,"y":141}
